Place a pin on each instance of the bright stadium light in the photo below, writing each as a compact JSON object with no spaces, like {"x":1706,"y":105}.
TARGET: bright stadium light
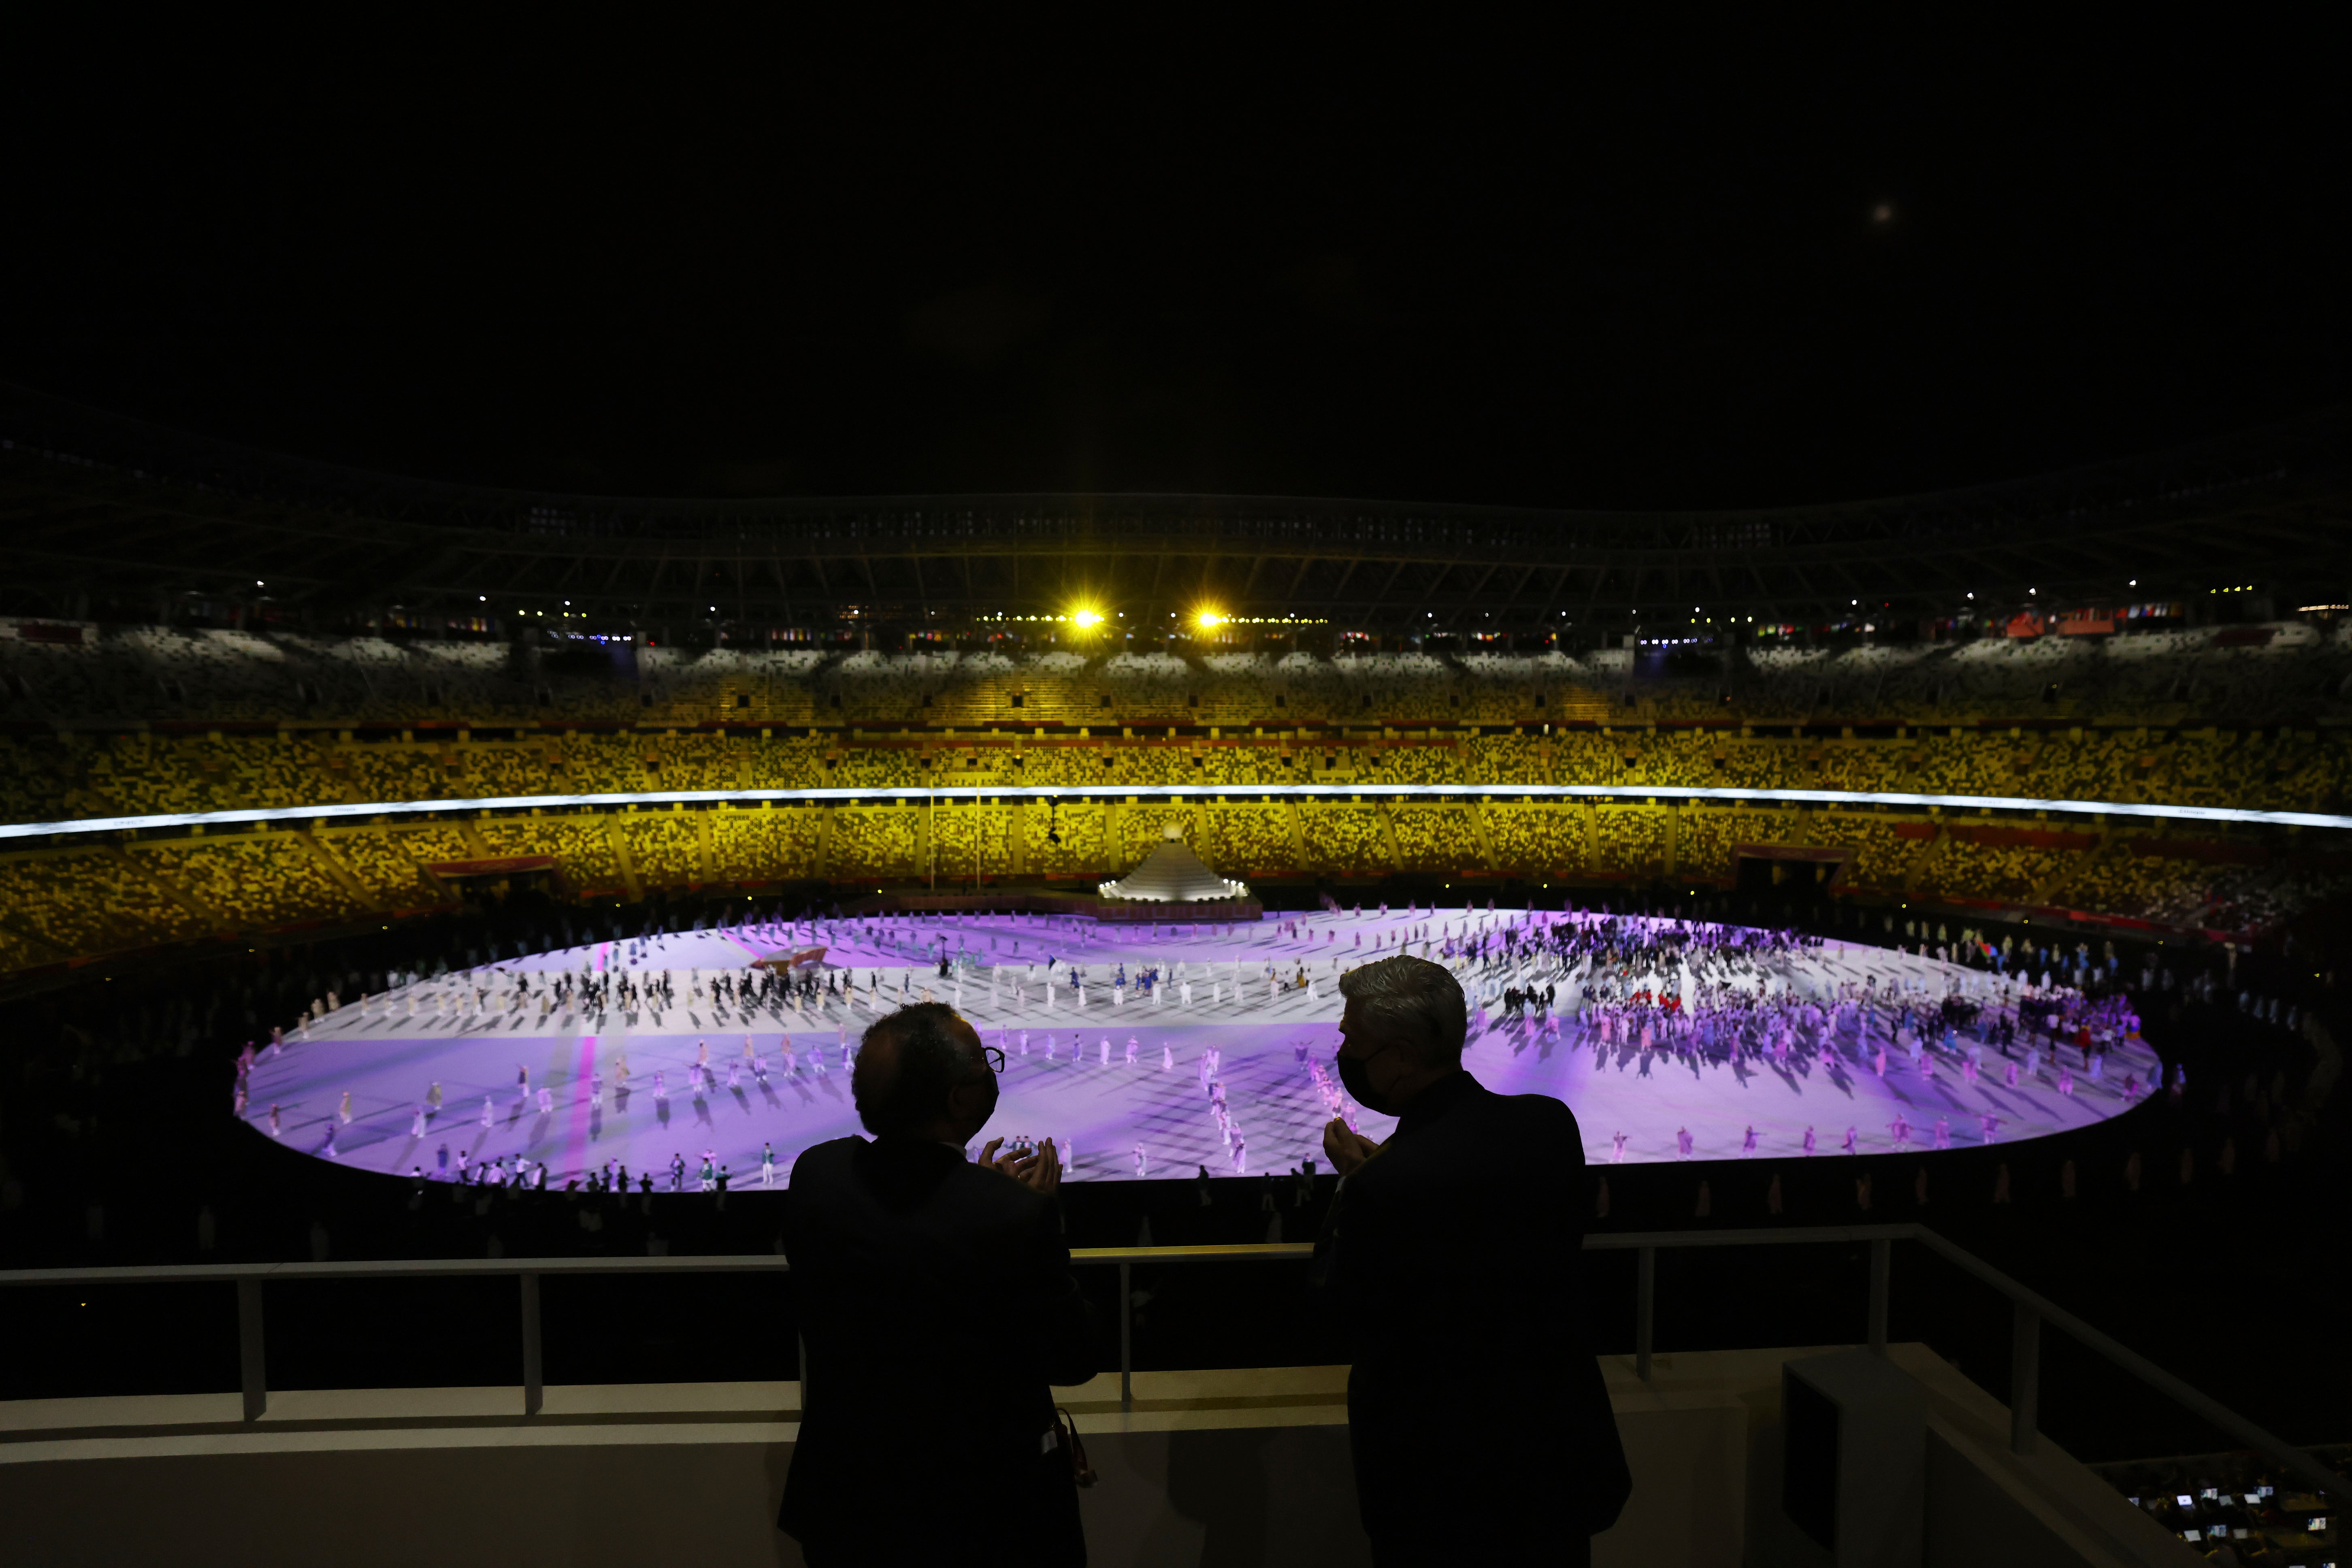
{"x":1086,"y":618}
{"x":1208,"y":619}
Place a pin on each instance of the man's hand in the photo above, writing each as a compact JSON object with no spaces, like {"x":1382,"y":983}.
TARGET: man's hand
{"x":1039,"y":1171}
{"x":1347,"y":1148}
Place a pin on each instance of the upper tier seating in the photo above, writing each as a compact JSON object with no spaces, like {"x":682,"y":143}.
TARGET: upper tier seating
{"x":2286,"y":673}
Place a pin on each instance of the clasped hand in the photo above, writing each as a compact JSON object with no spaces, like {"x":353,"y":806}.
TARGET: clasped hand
{"x":1347,"y":1148}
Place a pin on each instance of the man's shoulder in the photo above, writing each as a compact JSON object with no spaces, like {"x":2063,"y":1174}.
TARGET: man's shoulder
{"x":923,"y":1175}
{"x":1531,"y":1112}
{"x":1503,"y":1129}
{"x":819,"y":1165}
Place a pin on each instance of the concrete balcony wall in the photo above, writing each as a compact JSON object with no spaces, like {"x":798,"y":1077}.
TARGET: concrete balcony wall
{"x":1239,"y":1467}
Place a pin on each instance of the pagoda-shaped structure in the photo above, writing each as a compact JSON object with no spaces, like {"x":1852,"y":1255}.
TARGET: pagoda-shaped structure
{"x":1172,"y":874}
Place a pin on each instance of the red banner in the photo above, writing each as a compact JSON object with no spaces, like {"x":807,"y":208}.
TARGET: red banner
{"x":1807,"y":852}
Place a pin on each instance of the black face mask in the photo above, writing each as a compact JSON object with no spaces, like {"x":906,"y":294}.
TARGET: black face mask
{"x":1356,"y":1078}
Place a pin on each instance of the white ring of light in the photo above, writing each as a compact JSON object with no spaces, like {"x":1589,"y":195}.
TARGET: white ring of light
{"x":1195,"y":794}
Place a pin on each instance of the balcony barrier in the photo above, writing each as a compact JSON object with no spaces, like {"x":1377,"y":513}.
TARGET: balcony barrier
{"x":2029,"y":1311}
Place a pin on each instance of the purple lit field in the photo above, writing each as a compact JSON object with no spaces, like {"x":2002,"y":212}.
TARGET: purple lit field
{"x":1068,"y":1076}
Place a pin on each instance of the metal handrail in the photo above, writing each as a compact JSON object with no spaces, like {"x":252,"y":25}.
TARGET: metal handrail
{"x":396,"y":1269}
{"x":2028,"y":1308}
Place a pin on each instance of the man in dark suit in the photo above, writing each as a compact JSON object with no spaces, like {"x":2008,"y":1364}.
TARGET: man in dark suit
{"x":938,"y":1305}
{"x":1480,"y":1427}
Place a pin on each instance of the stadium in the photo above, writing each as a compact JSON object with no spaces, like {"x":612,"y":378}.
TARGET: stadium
{"x":1878,"y":955}
{"x":920,"y":725}
{"x":356,"y":747}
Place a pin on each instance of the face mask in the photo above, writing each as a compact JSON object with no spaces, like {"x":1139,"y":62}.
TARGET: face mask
{"x":1356,"y":1078}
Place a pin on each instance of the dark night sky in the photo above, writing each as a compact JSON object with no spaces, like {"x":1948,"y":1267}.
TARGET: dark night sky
{"x":1537,"y":269}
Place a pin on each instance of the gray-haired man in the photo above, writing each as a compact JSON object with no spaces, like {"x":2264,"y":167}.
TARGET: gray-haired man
{"x":1480,"y":1427}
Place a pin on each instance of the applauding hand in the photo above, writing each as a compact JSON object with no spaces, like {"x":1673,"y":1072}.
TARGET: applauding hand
{"x":1040,"y":1170}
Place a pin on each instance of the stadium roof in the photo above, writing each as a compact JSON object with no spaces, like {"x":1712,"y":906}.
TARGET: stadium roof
{"x":99,"y":506}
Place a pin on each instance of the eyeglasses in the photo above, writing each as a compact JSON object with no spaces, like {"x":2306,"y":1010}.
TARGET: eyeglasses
{"x":995,"y":1059}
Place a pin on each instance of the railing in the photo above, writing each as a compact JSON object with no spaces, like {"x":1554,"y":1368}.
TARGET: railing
{"x":2029,"y":1310}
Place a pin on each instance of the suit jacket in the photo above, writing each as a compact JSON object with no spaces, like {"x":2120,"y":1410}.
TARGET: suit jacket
{"x":1475,"y":1409}
{"x":938,"y":1305}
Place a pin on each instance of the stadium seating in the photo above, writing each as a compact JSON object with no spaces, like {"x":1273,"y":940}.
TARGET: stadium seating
{"x":142,"y":722}
{"x":2280,"y":673}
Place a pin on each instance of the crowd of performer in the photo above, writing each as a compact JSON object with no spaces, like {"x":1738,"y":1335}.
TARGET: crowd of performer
{"x":1640,"y":991}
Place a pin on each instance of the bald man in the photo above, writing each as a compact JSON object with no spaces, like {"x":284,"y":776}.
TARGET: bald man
{"x":937,"y":1302}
